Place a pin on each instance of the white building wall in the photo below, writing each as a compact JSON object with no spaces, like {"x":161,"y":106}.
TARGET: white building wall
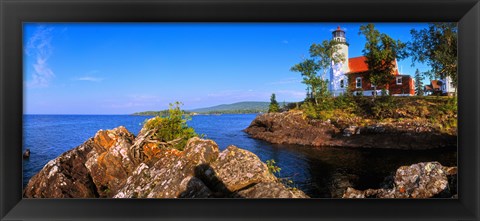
{"x":336,"y":76}
{"x":447,"y":86}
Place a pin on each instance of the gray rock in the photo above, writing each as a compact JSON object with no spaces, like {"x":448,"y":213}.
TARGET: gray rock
{"x":422,"y":180}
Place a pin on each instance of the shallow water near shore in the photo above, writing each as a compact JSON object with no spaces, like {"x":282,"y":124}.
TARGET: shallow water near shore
{"x":318,"y":171}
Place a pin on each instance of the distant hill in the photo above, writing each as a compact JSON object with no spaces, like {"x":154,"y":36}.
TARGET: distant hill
{"x":240,"y":107}
{"x":235,"y":108}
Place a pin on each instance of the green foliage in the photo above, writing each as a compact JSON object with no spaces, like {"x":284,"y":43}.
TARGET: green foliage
{"x":273,"y":107}
{"x":381,"y":52}
{"x":311,"y":110}
{"x":437,"y":47}
{"x":322,"y":56}
{"x":325,"y":53}
{"x":419,"y":83}
{"x":308,"y":69}
{"x":344,"y":101}
{"x":172,"y":129}
{"x":272,"y":167}
{"x":384,"y":107}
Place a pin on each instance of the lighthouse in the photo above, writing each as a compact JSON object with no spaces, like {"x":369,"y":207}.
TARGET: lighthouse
{"x":338,"y":36}
{"x":338,"y":79}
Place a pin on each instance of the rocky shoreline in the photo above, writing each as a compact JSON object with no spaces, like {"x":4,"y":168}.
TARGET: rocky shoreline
{"x":293,"y":127}
{"x":115,"y":164}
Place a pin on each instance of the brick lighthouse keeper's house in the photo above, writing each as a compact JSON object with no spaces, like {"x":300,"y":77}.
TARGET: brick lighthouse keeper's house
{"x":351,"y":73}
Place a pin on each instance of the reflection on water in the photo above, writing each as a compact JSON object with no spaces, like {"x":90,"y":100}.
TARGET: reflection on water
{"x":319,"y":172}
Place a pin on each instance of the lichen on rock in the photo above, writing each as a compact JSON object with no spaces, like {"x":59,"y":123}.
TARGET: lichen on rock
{"x":421,"y":180}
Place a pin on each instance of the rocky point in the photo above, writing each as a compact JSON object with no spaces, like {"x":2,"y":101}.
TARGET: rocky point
{"x":116,"y":164}
{"x":292,"y":127}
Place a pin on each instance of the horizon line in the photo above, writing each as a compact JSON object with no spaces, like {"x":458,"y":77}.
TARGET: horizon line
{"x":190,"y":109}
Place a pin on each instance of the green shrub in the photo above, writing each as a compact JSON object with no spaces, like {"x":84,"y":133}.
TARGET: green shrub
{"x":384,"y":107}
{"x":172,"y":131}
{"x":345,"y":102}
{"x":272,"y":167}
{"x":310,"y":110}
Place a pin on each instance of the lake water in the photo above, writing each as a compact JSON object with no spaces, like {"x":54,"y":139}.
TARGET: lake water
{"x":316,"y":171}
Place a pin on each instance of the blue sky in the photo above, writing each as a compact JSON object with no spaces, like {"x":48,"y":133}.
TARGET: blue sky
{"x":121,"y":68}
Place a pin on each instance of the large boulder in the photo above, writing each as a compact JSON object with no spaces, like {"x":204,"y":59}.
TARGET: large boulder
{"x":421,"y":180}
{"x":200,"y":171}
{"x":172,"y":174}
{"x":237,"y":169}
{"x":64,"y":177}
{"x":109,"y":163}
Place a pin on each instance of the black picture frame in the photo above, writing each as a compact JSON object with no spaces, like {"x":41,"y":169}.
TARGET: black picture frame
{"x":14,"y":12}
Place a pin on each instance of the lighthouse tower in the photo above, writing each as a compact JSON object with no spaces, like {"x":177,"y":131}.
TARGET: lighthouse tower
{"x":338,"y":79}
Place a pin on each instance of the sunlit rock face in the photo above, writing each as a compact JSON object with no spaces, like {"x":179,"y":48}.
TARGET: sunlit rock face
{"x":422,"y":180}
{"x":109,"y":163}
{"x":113,"y":164}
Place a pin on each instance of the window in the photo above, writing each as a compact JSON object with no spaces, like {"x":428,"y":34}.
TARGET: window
{"x":342,"y":84}
{"x":399,"y":80}
{"x":359,"y":82}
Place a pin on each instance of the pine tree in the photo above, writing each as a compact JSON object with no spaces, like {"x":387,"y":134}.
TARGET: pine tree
{"x":418,"y":83}
{"x":273,"y":107}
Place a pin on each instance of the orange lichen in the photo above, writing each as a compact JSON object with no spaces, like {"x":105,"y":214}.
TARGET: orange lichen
{"x":100,"y":158}
{"x":102,"y":139}
{"x":151,"y":150}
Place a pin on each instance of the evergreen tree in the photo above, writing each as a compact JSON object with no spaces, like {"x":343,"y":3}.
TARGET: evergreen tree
{"x":273,"y":107}
{"x":419,"y":83}
{"x":381,"y":52}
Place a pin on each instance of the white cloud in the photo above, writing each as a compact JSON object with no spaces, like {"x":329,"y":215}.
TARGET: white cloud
{"x":39,"y":46}
{"x":285,"y":42}
{"x":87,"y":78}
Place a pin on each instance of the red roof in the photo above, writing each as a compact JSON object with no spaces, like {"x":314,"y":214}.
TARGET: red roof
{"x":435,"y":84}
{"x":357,"y":64}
